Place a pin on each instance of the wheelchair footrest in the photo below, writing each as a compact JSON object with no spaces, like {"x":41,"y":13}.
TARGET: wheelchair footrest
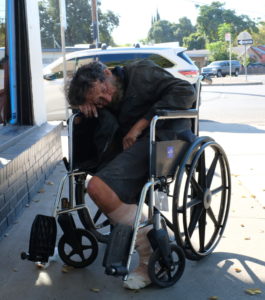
{"x":42,"y":239}
{"x":117,"y":250}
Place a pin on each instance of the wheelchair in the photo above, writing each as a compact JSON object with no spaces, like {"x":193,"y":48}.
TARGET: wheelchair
{"x":188,"y":196}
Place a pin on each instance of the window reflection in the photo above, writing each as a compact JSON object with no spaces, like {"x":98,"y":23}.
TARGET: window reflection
{"x":4,"y":104}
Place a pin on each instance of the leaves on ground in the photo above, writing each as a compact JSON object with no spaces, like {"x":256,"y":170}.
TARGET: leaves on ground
{"x":66,"y":269}
{"x":247,"y":238}
{"x":242,"y":225}
{"x":49,"y":183}
{"x":95,"y":290}
{"x":238,"y":270}
{"x":253,"y":291}
{"x":41,"y":191}
{"x":213,"y":298}
{"x":253,"y":196}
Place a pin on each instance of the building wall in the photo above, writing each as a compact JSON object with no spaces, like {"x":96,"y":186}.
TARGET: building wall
{"x":25,"y":164}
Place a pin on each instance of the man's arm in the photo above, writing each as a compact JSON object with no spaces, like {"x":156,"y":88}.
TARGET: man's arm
{"x":134,"y":133}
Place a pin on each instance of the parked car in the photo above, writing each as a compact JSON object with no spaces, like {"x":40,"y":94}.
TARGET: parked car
{"x":256,"y":68}
{"x":221,"y":68}
{"x":173,"y":60}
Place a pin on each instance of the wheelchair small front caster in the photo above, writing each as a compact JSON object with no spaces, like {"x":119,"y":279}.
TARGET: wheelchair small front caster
{"x":162,"y":275}
{"x":81,"y":252}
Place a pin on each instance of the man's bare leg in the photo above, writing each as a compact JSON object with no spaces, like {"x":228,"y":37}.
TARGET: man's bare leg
{"x":119,"y":212}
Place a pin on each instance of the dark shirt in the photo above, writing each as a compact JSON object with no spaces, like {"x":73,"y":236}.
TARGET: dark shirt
{"x":147,"y":87}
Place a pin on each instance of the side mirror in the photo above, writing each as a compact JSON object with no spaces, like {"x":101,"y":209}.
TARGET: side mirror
{"x":49,"y":76}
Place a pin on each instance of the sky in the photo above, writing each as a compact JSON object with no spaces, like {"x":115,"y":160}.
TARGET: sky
{"x":136,"y":15}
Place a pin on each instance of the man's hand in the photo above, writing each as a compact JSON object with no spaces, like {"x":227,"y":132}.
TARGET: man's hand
{"x":89,"y":110}
{"x":134,"y":133}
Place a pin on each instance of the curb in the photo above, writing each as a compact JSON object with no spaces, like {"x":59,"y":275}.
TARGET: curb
{"x":234,"y":83}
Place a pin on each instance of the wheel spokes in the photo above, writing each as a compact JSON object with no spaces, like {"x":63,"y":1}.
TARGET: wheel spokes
{"x":196,"y":186}
{"x":202,"y":226}
{"x":194,"y":218}
{"x":212,"y":216}
{"x":211,"y":171}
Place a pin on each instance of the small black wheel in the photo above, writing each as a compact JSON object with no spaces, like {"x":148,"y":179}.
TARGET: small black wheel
{"x":81,"y":255}
{"x":164,"y":276}
{"x":219,"y":73}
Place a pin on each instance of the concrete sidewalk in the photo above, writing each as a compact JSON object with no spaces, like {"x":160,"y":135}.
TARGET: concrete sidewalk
{"x":236,"y":265}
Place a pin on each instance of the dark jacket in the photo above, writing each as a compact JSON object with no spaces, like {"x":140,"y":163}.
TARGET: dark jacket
{"x":147,"y":87}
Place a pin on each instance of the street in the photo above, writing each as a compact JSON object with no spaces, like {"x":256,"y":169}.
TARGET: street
{"x":244,"y":104}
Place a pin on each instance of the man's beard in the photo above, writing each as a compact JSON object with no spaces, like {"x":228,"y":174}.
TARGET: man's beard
{"x":118,"y":95}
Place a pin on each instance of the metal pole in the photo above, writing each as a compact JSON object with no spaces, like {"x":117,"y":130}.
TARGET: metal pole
{"x":63,"y":28}
{"x":230,"y":57}
{"x":246,"y":73}
{"x":95,"y":22}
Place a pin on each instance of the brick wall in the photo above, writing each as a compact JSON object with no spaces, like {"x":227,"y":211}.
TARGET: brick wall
{"x":24,"y":167}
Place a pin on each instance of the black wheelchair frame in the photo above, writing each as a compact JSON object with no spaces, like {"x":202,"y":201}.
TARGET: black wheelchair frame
{"x":198,"y":187}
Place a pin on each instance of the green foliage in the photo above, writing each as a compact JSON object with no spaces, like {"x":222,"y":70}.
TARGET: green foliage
{"x":194,"y":41}
{"x":223,"y":29}
{"x":161,"y":32}
{"x":259,"y":37}
{"x":219,"y":51}
{"x":212,"y":16}
{"x":79,"y":19}
{"x":183,"y":29}
{"x":164,"y":31}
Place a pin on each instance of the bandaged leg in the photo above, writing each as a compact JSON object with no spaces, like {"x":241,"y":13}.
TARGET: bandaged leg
{"x":125,"y":214}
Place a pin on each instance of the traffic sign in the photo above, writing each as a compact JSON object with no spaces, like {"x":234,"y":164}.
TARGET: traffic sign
{"x":245,"y":42}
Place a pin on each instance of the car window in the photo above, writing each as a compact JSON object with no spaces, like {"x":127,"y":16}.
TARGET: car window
{"x":70,"y":68}
{"x":215,"y":64}
{"x":121,"y":59}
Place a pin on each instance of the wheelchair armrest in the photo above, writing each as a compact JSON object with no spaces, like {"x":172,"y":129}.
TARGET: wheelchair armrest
{"x":186,"y":113}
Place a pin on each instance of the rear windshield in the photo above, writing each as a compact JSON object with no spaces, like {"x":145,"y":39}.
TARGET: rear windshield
{"x":185,"y":57}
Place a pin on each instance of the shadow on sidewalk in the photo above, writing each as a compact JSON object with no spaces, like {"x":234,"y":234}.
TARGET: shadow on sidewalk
{"x":213,"y":126}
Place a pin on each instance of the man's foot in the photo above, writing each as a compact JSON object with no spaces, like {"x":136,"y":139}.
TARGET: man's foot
{"x":138,"y":279}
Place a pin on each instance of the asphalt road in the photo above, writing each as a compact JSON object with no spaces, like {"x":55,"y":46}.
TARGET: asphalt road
{"x":242,"y":104}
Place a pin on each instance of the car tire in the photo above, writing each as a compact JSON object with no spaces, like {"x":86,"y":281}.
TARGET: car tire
{"x":236,"y":72}
{"x":219,"y":73}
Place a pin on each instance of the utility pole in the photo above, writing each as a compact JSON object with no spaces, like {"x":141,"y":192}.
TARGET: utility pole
{"x":63,"y":28}
{"x":95,"y":22}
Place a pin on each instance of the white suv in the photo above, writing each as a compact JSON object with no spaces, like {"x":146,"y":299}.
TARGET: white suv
{"x":174,"y":60}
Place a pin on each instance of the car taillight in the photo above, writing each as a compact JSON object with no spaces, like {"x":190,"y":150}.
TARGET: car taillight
{"x":189,"y":73}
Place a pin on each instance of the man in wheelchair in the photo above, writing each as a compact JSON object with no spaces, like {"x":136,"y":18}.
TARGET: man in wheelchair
{"x":125,"y":100}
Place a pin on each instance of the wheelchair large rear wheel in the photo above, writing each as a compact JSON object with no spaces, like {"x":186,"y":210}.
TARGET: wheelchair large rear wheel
{"x":201,"y":198}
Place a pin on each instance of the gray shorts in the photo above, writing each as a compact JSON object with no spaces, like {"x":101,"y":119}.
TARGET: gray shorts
{"x":127,"y":173}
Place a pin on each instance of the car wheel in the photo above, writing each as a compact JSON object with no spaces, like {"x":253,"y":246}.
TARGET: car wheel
{"x":219,"y":74}
{"x":236,"y":72}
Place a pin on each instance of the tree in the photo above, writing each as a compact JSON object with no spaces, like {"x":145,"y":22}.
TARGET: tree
{"x":78,"y":14}
{"x":259,"y":37}
{"x":211,"y":16}
{"x":194,"y":41}
{"x":219,"y":51}
{"x":161,"y":32}
{"x":183,"y":29}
